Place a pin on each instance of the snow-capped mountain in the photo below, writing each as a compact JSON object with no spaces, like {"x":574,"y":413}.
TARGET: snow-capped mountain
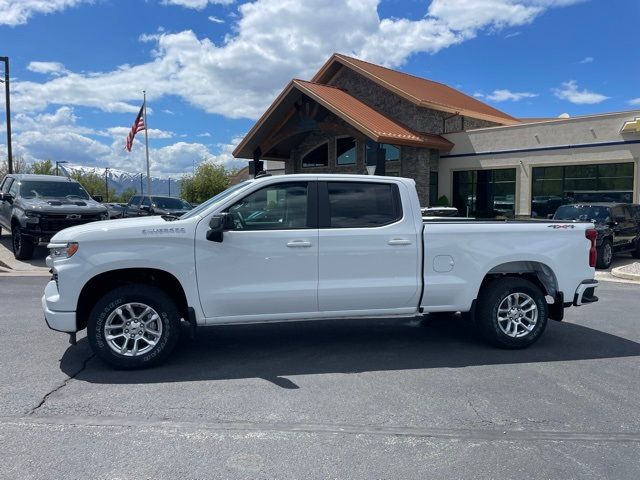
{"x":119,"y":180}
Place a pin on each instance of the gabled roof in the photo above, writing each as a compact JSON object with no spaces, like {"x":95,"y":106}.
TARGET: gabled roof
{"x":360,"y":116}
{"x":372,"y":123}
{"x":420,"y":91}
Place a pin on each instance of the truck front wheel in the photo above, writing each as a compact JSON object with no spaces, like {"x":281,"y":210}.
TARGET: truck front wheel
{"x":512,"y":312}
{"x":22,"y":244}
{"x":134,"y":326}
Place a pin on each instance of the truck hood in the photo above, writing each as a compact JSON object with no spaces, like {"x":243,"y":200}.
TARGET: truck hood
{"x":121,"y":228}
{"x":61,"y":205}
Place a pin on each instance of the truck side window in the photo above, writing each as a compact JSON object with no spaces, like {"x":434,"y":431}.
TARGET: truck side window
{"x":6,"y":185}
{"x":135,"y":200}
{"x":146,"y":201}
{"x":276,"y":207}
{"x":361,"y":205}
{"x":13,"y":190}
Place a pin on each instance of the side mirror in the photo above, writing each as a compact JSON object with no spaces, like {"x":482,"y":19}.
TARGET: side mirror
{"x":217,"y":225}
{"x":145,"y":208}
{"x":6,"y":197}
{"x":97,"y":198}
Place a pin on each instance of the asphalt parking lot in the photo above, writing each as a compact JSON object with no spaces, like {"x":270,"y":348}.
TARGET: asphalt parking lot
{"x":360,"y":399}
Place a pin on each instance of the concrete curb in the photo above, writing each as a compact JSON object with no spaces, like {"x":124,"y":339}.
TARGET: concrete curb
{"x":621,"y":273}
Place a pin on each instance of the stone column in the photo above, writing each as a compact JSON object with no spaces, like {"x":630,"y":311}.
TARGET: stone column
{"x":415,"y":164}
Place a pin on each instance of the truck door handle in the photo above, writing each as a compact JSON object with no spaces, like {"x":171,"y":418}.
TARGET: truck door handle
{"x":399,"y":241}
{"x":298,"y":243}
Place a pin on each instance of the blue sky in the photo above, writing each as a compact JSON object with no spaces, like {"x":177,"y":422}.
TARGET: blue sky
{"x":211,"y":67}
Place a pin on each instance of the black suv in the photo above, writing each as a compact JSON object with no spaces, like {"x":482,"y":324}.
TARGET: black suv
{"x":618,"y":226}
{"x":156,"y":205}
{"x":36,"y":207}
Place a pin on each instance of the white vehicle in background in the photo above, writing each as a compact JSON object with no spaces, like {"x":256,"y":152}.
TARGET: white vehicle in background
{"x":304,"y":247}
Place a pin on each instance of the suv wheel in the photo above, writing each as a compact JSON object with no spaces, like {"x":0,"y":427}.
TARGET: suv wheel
{"x":636,"y":251}
{"x":605,"y":254}
{"x":22,"y":244}
{"x":134,"y":326}
{"x":512,"y":312}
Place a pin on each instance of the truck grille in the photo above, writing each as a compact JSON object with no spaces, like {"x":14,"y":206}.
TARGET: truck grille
{"x":55,"y":223}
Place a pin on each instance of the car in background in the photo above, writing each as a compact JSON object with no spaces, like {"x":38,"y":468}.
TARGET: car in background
{"x":143,"y":205}
{"x":116,"y":210}
{"x":616,"y":223}
{"x":36,"y":207}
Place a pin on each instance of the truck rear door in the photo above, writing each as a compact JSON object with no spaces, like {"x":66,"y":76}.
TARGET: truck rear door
{"x":368,"y":248}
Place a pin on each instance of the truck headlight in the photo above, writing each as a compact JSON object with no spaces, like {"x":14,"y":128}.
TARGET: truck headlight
{"x":32,"y":217}
{"x":63,"y":250}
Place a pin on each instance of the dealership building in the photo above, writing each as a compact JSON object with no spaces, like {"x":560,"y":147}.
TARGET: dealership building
{"x":357,"y":117}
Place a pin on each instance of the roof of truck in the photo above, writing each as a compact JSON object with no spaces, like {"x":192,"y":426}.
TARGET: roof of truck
{"x":41,"y":178}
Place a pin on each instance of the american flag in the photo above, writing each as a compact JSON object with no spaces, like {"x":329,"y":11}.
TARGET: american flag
{"x":137,"y":126}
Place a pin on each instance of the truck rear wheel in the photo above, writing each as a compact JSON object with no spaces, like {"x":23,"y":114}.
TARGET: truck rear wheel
{"x":604,"y":254}
{"x":512,"y":312}
{"x":134,"y":326}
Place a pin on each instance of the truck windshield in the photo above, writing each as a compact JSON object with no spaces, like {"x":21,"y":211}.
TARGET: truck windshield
{"x":222,"y":195}
{"x":64,"y":189}
{"x":582,"y":212}
{"x":171,"y":203}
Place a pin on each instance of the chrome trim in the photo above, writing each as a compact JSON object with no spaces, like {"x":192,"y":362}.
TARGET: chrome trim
{"x":577,"y":299}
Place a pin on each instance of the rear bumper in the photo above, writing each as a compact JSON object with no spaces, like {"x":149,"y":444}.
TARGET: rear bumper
{"x":59,"y":321}
{"x":585,"y":293}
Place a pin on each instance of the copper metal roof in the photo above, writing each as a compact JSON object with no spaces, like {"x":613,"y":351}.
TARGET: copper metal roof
{"x":367,"y":120}
{"x":420,"y":91}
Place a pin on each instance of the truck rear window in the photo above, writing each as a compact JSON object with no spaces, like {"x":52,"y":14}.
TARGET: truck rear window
{"x":361,"y":205}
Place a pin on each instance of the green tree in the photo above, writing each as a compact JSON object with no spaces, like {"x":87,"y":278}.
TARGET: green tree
{"x":208,"y":180}
{"x":443,"y":201}
{"x":125,"y":196}
{"x":93,"y":184}
{"x":44,"y":167}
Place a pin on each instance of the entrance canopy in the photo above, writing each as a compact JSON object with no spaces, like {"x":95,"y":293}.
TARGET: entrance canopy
{"x":304,"y":107}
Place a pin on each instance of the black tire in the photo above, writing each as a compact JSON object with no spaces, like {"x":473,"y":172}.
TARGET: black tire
{"x":22,"y":244}
{"x":492,"y":297}
{"x":605,"y":254}
{"x":146,"y":295}
{"x":635,"y":253}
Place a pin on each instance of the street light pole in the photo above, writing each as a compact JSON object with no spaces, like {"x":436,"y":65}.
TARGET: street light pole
{"x":169,"y":186}
{"x":58,"y":163}
{"x":106,"y":184}
{"x":8,"y":108}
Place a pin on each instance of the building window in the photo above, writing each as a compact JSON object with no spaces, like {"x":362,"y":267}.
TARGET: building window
{"x":346,"y":151}
{"x":555,"y":186}
{"x":485,"y":193}
{"x":433,"y":189}
{"x":391,"y":152}
{"x":318,"y":157}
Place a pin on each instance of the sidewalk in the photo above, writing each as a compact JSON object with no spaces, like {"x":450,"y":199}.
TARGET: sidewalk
{"x":9,"y":266}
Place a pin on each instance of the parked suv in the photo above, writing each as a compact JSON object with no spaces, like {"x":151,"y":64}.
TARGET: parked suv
{"x":617,"y":225}
{"x":36,"y":207}
{"x":141,"y":205}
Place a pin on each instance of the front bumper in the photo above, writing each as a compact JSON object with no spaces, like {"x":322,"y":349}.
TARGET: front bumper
{"x":585,"y":293}
{"x":56,"y":320}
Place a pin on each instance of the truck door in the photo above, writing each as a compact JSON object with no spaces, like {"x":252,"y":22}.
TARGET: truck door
{"x":368,"y":253}
{"x":5,"y":205}
{"x":268,"y":263}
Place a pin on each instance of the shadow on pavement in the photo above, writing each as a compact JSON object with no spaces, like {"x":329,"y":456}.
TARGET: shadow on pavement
{"x":39,"y":254}
{"x":275,"y":351}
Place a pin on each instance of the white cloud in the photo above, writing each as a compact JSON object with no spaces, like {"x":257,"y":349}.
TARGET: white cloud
{"x":18,"y":12}
{"x":586,"y":60}
{"x":503,"y":95}
{"x":53,"y":68}
{"x":271,"y":42}
{"x":511,"y":35}
{"x":569,"y":91}
{"x":196,"y":4}
{"x":634,"y":101}
{"x":215,"y":19}
{"x":205,"y":134}
{"x":122,"y":132}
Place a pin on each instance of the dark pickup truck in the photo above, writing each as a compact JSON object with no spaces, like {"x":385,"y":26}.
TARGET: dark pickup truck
{"x":36,"y":207}
{"x":618,"y":226}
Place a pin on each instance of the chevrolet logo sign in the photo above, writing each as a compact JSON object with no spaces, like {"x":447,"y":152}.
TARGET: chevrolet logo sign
{"x":74,"y":216}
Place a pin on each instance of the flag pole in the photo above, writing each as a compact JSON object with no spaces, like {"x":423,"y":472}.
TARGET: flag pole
{"x":146,"y":141}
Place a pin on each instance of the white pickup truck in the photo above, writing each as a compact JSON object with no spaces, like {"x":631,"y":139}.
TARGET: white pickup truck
{"x":304,"y":247}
